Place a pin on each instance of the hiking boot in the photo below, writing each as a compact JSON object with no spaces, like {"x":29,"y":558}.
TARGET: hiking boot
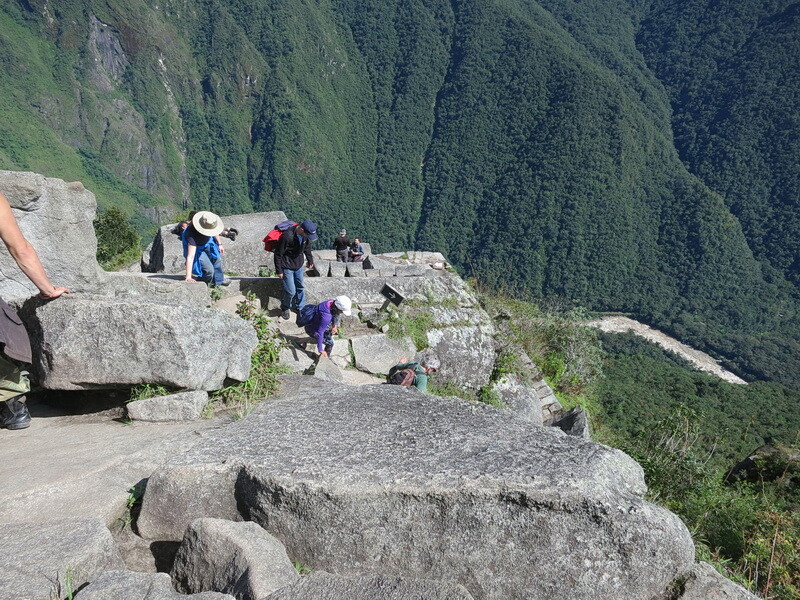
{"x":14,"y":414}
{"x":285,"y":315}
{"x":225,"y":282}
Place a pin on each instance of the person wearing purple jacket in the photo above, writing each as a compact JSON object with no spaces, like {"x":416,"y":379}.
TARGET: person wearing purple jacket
{"x":325,"y":322}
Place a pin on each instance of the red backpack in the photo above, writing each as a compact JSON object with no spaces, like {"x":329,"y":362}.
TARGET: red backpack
{"x":271,"y":241}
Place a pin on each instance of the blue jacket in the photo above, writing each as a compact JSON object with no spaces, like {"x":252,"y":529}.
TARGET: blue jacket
{"x":210,"y":248}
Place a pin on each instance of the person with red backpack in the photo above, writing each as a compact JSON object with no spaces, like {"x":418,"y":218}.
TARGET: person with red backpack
{"x":293,"y":244}
{"x":413,"y":373}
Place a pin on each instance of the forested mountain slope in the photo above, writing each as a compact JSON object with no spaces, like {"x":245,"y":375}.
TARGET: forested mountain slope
{"x":532,"y":142}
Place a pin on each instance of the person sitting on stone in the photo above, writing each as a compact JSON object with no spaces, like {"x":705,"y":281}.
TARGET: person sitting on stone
{"x":342,"y":246}
{"x":421,"y":370}
{"x":14,"y":382}
{"x":356,"y":251}
{"x":202,"y":249}
{"x":321,"y":322}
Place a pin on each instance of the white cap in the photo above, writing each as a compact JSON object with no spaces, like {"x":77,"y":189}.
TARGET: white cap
{"x":344,"y":304}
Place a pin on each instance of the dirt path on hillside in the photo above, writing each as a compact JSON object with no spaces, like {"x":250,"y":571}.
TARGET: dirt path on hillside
{"x":699,"y":359}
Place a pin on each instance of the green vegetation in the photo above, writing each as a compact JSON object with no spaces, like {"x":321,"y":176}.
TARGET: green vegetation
{"x":118,"y":244}
{"x":631,"y":156}
{"x":264,"y":369}
{"x":149,"y":390}
{"x":687,"y":429}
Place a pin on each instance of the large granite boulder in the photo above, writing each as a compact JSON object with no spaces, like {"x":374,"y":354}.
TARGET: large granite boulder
{"x":391,"y":481}
{"x":467,"y":354}
{"x":128,"y":585}
{"x":244,"y":255}
{"x":240,"y":559}
{"x":325,"y":586}
{"x":56,"y":217}
{"x":378,"y":353}
{"x":84,"y":342}
{"x":45,"y":561}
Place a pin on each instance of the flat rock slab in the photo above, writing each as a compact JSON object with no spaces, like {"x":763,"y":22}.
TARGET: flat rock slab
{"x":367,"y":290}
{"x":185,"y":406}
{"x":85,"y":342}
{"x":77,"y":466}
{"x":127,"y":585}
{"x":325,"y":586}
{"x":45,"y":561}
{"x":519,"y":398}
{"x":379,"y":479}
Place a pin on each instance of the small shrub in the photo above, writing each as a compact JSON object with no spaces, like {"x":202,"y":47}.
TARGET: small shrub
{"x":265,"y":367}
{"x":489,"y":396}
{"x":148,"y":390}
{"x":118,"y":244}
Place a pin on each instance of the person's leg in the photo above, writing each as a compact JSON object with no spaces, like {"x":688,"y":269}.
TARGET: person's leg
{"x":288,"y":289}
{"x":14,"y":385}
{"x":300,"y":287}
{"x":219,"y":274}
{"x":207,"y":267}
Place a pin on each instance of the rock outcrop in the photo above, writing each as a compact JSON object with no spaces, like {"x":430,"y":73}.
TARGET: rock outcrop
{"x":86,"y":342}
{"x":386,"y":480}
{"x":56,"y":217}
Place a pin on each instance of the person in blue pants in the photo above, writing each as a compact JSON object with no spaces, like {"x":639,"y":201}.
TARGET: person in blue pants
{"x":293,"y":245}
{"x":202,"y":249}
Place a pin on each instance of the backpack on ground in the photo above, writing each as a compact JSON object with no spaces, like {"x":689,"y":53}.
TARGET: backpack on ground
{"x":271,"y":241}
{"x":306,"y":315}
{"x":402,"y":377}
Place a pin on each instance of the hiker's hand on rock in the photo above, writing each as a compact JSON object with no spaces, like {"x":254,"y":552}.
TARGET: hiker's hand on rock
{"x":55,"y":293}
{"x":323,"y":353}
{"x":280,"y":275}
{"x":221,"y":249}
{"x":189,"y":279}
{"x":334,"y":330}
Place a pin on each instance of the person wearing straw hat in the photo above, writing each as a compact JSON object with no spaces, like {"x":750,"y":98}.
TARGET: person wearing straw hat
{"x":202,"y":250}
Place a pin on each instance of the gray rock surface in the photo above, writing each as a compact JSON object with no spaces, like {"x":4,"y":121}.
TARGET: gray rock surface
{"x":56,"y":217}
{"x":38,"y":560}
{"x":378,"y":353}
{"x":147,"y":287}
{"x":519,"y":398}
{"x":467,"y":354}
{"x":378,"y":480}
{"x":325,"y":586}
{"x":127,"y":585}
{"x":243,"y":256}
{"x":574,"y":422}
{"x":366,"y":291}
{"x":184,"y":406}
{"x":326,"y":370}
{"x":84,"y":342}
{"x":411,"y":270}
{"x":240,"y":559}
{"x":704,"y":583}
{"x":338,"y":269}
{"x":355,"y":269}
